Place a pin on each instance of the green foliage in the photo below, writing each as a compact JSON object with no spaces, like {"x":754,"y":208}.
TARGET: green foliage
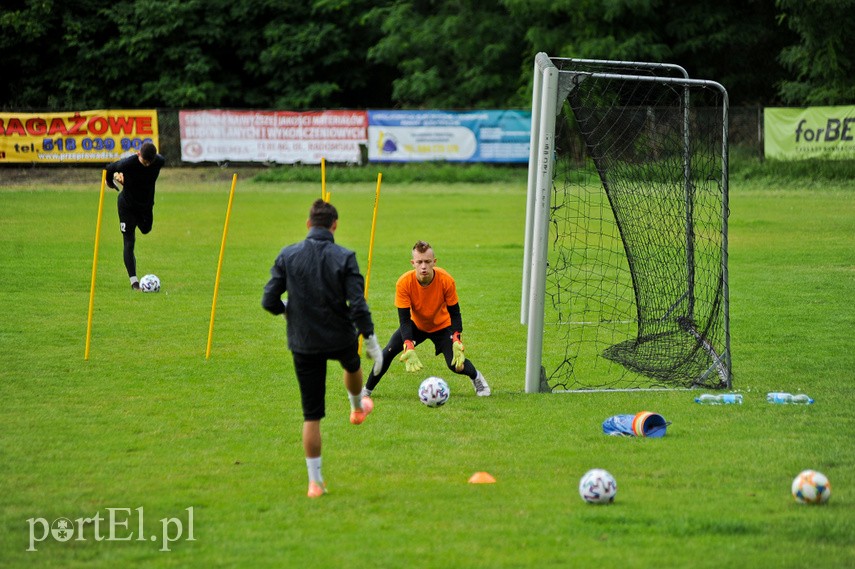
{"x":732,"y":42}
{"x":403,"y":54}
{"x":190,"y":54}
{"x":449,"y":55}
{"x":149,"y":422}
{"x":823,"y":61}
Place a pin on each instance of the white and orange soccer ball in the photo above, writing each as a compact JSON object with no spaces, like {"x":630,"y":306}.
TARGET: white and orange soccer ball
{"x":811,"y":487}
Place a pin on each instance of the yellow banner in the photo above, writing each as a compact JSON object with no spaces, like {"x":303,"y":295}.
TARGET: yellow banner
{"x":78,"y":136}
{"x":827,"y":133}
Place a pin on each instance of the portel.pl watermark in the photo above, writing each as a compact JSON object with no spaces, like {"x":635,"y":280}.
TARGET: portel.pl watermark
{"x":119,"y":524}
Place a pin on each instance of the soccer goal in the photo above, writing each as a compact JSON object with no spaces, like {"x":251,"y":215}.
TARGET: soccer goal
{"x":625,"y":264}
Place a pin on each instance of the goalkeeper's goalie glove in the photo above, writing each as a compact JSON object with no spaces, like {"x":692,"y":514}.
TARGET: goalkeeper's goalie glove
{"x":457,"y":359}
{"x":373,"y":351}
{"x":410,"y":357}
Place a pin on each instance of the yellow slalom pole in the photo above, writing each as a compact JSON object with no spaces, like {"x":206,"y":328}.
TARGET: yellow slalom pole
{"x":324,"y":195}
{"x":220,"y":268}
{"x":95,"y":265}
{"x":373,"y":229}
{"x":371,"y":243}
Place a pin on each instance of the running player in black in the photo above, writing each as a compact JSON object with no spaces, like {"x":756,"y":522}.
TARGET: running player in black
{"x":136,"y":174}
{"x":325,"y":310}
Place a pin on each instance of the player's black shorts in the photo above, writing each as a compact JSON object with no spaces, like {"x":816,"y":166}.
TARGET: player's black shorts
{"x":311,"y":370}
{"x":132,"y":217}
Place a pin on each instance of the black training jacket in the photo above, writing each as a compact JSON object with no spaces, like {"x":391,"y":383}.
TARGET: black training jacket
{"x":138,"y":190}
{"x":326,"y":294}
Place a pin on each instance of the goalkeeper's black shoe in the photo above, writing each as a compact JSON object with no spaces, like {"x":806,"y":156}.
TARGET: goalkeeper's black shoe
{"x":135,"y":286}
{"x":482,"y":389}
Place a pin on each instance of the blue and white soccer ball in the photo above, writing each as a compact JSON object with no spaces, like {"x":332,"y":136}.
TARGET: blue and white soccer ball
{"x":598,"y":486}
{"x":434,"y":392}
{"x":811,"y":487}
{"x":150,"y":283}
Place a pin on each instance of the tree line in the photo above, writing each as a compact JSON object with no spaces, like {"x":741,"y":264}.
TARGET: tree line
{"x":409,"y":54}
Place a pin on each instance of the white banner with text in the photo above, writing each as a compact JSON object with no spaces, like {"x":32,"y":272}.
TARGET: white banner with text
{"x":284,"y":137}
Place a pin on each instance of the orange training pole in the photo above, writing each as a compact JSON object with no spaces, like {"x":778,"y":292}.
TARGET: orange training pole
{"x":95,"y":265}
{"x":219,"y":268}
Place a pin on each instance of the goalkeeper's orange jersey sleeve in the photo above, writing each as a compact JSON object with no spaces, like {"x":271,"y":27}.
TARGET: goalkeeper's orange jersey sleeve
{"x":428,"y":304}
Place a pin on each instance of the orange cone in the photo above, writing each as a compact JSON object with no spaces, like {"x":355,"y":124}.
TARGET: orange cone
{"x":482,"y":478}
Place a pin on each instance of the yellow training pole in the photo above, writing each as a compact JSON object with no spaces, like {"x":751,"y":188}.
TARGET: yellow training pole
{"x":95,"y":265}
{"x":373,"y":229}
{"x":219,"y":268}
{"x":371,"y":243}
{"x":324,"y":195}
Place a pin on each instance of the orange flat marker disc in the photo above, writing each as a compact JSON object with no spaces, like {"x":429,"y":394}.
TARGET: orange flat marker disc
{"x":482,"y":478}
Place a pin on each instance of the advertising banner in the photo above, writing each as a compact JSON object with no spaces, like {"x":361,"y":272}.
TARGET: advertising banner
{"x":77,"y":136}
{"x":284,"y":137}
{"x":471,"y":136}
{"x":813,"y":132}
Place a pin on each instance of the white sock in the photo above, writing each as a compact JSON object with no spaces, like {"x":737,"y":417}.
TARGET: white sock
{"x":313,"y":465}
{"x":134,"y":279}
{"x":355,"y":400}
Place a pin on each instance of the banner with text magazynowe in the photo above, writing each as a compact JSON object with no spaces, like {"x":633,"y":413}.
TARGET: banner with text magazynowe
{"x":284,"y":137}
{"x":75,"y":136}
{"x":454,"y":136}
{"x":813,"y":132}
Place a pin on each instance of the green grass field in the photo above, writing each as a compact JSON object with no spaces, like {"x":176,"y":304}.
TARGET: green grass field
{"x":147,"y":427}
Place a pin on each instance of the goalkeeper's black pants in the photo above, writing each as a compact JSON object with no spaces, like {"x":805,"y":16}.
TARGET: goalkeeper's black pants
{"x":441,"y":340}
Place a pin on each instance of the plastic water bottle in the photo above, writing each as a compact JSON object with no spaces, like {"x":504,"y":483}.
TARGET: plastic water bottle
{"x":788,"y":399}
{"x":721,"y":399}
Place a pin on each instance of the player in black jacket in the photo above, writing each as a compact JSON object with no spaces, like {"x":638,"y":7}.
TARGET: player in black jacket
{"x":325,"y":311}
{"x":137,"y":175}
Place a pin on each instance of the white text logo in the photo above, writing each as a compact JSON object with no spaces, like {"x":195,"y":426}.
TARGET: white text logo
{"x":119,"y":524}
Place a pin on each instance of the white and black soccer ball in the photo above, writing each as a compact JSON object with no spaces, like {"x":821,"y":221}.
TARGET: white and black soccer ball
{"x":598,"y":486}
{"x":434,"y":392}
{"x":811,"y":487}
{"x":150,"y":283}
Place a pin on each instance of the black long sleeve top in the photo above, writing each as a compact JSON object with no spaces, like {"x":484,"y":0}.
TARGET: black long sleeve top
{"x":326,"y":294}
{"x":138,"y":188}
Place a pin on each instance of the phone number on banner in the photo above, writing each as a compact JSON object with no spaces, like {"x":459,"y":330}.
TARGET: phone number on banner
{"x":89,"y":144}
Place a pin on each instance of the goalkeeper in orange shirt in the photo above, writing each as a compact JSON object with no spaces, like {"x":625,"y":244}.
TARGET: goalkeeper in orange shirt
{"x":428,"y":308}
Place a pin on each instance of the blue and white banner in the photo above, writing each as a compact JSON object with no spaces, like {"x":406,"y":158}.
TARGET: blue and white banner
{"x":453,"y":136}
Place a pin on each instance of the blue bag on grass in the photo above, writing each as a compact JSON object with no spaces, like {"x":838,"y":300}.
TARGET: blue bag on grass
{"x":643,"y":424}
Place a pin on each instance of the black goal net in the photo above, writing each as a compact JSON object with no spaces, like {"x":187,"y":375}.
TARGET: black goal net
{"x":636,"y":277}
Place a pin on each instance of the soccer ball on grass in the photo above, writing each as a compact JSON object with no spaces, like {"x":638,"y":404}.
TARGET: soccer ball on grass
{"x":150,"y":283}
{"x":811,"y":487}
{"x":598,"y":486}
{"x":434,"y":392}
